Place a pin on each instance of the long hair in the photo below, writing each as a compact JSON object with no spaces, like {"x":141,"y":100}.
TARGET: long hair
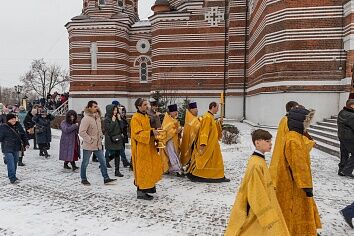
{"x":68,"y":117}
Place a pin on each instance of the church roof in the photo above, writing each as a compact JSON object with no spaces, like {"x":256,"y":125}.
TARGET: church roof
{"x":142,"y":23}
{"x":162,"y":2}
{"x":80,"y":17}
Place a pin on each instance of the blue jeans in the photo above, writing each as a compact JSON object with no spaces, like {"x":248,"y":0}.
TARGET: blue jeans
{"x":123,"y":156}
{"x":349,"y":211}
{"x":85,"y":161}
{"x":11,"y":162}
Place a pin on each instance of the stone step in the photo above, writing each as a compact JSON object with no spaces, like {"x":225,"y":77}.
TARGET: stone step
{"x":328,"y":148}
{"x":324,"y":128}
{"x":329,"y":141}
{"x":323,"y":133}
{"x":334,"y":117}
{"x":328,"y":124}
{"x":333,"y":121}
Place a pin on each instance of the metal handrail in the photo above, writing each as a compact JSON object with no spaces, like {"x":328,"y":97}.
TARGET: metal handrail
{"x":62,"y":109}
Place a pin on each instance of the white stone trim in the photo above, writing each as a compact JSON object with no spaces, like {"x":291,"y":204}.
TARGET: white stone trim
{"x":348,"y":8}
{"x":345,"y":81}
{"x":348,"y":42}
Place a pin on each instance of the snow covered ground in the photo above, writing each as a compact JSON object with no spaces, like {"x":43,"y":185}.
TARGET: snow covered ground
{"x":51,"y":201}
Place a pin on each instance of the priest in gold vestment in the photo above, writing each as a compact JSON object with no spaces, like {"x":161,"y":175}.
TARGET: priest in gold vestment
{"x":147,"y":164}
{"x":256,"y":211}
{"x":294,"y":185}
{"x":190,"y":133}
{"x":208,"y":164}
{"x":170,"y":154}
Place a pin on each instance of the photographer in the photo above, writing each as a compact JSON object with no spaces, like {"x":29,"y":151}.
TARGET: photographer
{"x":113,"y":137}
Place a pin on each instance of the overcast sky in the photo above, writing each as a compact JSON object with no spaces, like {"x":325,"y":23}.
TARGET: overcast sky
{"x":34,"y":29}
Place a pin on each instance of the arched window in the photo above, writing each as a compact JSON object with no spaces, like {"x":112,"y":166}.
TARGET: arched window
{"x":143,"y":62}
{"x":143,"y":72}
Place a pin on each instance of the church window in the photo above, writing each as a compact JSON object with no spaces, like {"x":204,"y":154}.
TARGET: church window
{"x":101,"y":2}
{"x":143,"y":72}
{"x":143,"y":62}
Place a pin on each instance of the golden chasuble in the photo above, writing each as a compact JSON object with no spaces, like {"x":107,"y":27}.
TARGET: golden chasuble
{"x":209,"y":163}
{"x":171,"y":126}
{"x":190,"y":135}
{"x":278,"y":150}
{"x":294,"y":174}
{"x":256,"y":211}
{"x":147,"y":164}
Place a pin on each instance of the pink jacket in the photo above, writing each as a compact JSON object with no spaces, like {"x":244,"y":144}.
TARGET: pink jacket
{"x":91,"y":131}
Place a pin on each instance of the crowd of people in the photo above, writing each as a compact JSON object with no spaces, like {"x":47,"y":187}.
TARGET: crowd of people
{"x":272,"y":201}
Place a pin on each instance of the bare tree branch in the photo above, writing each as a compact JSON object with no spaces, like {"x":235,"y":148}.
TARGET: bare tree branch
{"x":43,"y":78}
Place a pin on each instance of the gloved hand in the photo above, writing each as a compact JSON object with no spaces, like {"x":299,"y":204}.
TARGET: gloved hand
{"x":308,"y":191}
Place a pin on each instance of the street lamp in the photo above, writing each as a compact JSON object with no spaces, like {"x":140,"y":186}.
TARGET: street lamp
{"x":18,"y":90}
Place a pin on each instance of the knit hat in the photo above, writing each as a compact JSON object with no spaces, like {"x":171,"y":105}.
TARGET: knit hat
{"x":172,"y":108}
{"x":116,"y":103}
{"x":10,"y":116}
{"x":192,"y":105}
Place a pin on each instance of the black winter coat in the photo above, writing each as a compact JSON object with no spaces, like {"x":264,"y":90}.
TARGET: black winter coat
{"x":2,"y":119}
{"x":43,"y":131}
{"x":12,"y":137}
{"x":113,"y":131}
{"x":345,"y":123}
{"x":28,"y":123}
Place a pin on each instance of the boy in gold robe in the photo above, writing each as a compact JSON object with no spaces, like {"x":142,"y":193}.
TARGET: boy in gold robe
{"x":279,"y":140}
{"x":209,"y":164}
{"x":170,"y":154}
{"x":190,"y":133}
{"x":256,"y":211}
{"x":294,"y":179}
{"x":147,"y":164}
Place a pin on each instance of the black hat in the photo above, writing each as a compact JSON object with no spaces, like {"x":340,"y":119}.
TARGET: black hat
{"x":172,"y":108}
{"x":192,"y":105}
{"x":10,"y":116}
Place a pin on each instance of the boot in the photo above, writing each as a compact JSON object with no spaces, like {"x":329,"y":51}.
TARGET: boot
{"x":20,"y":163}
{"x":107,"y":163}
{"x":46,"y":155}
{"x":116,"y":165}
{"x":66,"y":166}
{"x":73,"y":164}
{"x":144,"y":196}
{"x":41,"y":153}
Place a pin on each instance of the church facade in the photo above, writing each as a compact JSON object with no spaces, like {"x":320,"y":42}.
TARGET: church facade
{"x":260,"y":53}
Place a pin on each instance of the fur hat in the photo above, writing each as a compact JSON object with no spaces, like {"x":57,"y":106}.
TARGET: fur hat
{"x":300,"y":119}
{"x":10,"y":116}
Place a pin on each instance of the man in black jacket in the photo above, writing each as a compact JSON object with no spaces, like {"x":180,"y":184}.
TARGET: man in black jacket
{"x":13,"y":138}
{"x":346,"y":138}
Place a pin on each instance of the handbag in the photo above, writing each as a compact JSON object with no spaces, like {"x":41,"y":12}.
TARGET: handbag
{"x":116,"y":138}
